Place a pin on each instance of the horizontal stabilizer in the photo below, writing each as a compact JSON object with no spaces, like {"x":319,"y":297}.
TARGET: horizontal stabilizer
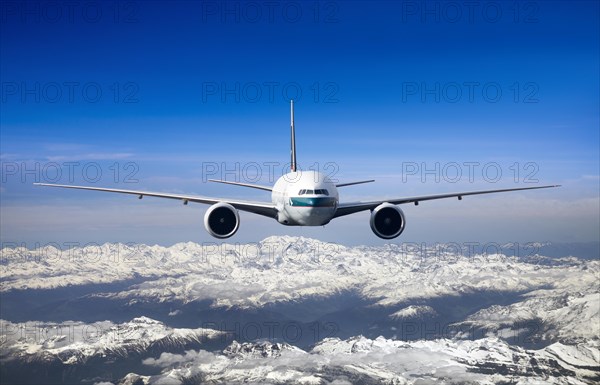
{"x":353,"y":183}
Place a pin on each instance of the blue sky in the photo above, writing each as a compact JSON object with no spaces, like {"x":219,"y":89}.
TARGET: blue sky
{"x":152,"y":95}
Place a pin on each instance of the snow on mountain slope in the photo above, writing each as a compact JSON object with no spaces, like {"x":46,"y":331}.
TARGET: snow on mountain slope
{"x":562,"y":295}
{"x":354,"y":360}
{"x":280,"y":268}
{"x":569,"y":312}
{"x":77,"y":342}
{"x":413,"y":311}
{"x":379,"y":361}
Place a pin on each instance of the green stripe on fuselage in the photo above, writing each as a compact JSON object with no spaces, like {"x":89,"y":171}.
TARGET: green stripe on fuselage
{"x":312,"y":202}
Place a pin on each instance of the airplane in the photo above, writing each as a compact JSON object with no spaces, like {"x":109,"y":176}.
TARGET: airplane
{"x":299,"y":198}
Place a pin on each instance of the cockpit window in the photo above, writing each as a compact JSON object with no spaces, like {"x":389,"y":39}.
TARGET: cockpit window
{"x":316,"y":192}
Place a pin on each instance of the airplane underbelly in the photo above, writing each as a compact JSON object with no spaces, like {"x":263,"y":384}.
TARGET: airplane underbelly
{"x":310,"y":216}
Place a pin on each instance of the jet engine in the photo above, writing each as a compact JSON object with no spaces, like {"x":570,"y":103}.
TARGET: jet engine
{"x":387,"y":221}
{"x":221,"y":220}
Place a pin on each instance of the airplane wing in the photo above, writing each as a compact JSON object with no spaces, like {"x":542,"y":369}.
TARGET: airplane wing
{"x":256,"y":186}
{"x":350,"y":208}
{"x":262,"y":208}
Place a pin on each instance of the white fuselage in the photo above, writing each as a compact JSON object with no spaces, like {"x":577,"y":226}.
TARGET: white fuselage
{"x":305,"y":198}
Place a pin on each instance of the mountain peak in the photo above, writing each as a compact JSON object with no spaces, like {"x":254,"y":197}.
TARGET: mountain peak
{"x":258,"y":349}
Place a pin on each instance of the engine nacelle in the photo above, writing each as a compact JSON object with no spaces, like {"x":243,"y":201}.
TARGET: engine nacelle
{"x":387,"y":221}
{"x":221,"y":220}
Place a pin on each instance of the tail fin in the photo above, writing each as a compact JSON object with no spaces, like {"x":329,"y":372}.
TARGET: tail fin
{"x":293,"y":144}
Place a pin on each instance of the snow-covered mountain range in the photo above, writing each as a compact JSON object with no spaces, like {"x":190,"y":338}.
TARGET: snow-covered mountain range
{"x":365,"y":314}
{"x":360,"y":360}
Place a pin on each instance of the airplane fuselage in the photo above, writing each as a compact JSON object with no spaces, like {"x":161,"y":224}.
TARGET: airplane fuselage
{"x":305,"y":198}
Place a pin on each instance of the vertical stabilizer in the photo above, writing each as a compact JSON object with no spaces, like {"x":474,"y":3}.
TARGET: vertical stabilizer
{"x":293,"y":144}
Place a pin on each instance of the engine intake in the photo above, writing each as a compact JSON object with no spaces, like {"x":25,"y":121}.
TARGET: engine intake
{"x":387,"y":221}
{"x":221,"y":220}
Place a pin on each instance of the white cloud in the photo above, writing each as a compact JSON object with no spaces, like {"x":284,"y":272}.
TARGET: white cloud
{"x":170,"y":359}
